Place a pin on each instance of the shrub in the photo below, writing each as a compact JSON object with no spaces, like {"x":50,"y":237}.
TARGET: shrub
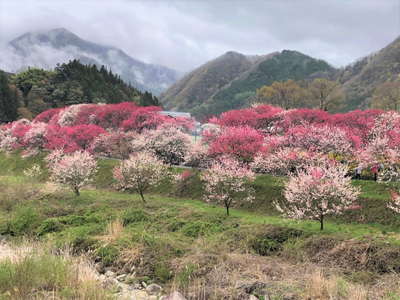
{"x":24,"y":222}
{"x":108,"y":255}
{"x":272,"y":239}
{"x":49,"y":225}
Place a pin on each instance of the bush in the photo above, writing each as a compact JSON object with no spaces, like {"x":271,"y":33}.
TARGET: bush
{"x":24,"y":222}
{"x":49,"y":225}
{"x":272,"y":239}
{"x":108,"y":255}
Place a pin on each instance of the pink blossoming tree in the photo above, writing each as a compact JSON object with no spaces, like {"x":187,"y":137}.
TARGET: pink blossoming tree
{"x":317,"y":191}
{"x":74,"y":170}
{"x":227,"y":183}
{"x":282,"y":162}
{"x":139,"y":173}
{"x":168,"y":143}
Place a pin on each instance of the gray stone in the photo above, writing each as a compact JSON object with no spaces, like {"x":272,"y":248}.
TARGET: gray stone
{"x":121,"y":277}
{"x":173,"y":296}
{"x":253,"y":287}
{"x":153,"y":289}
{"x":110,"y":274}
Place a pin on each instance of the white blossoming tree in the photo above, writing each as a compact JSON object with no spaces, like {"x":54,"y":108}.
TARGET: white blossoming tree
{"x":226,"y":182}
{"x":74,"y":170}
{"x":139,"y":173}
{"x":317,"y":191}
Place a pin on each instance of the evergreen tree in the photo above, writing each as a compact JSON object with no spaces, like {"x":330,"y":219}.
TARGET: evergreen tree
{"x":8,"y":100}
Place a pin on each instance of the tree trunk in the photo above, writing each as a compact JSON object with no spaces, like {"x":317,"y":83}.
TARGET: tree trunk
{"x":321,"y":220}
{"x":141,"y":196}
{"x":76,"y":190}
{"x":227,"y":210}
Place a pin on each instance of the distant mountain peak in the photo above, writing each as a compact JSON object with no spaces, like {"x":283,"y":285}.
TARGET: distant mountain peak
{"x":45,"y":49}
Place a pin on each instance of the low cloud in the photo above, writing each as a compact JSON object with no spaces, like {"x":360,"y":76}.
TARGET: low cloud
{"x":184,"y":34}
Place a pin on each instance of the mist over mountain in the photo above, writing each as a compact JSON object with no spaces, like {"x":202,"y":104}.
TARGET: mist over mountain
{"x":47,"y":49}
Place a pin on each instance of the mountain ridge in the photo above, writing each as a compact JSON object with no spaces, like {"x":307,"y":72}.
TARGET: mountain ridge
{"x":242,"y":84}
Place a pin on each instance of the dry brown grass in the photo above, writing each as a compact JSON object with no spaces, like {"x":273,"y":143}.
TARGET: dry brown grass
{"x":114,"y":231}
{"x":221,"y":276}
{"x":36,"y":273}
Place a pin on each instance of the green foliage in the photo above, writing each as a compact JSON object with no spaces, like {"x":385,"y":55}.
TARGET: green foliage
{"x":72,"y":83}
{"x":184,"y":277}
{"x":200,"y":228}
{"x":24,"y":221}
{"x":272,"y":239}
{"x":240,"y":91}
{"x":9,"y":100}
{"x":107,"y":254}
{"x":162,"y":272}
{"x":49,"y":225}
{"x":133,"y":216}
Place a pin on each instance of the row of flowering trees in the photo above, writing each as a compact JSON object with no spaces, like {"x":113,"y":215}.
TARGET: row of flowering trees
{"x":267,"y":138}
{"x":320,"y":188}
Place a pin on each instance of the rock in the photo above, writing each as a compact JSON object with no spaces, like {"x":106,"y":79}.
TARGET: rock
{"x":102,"y":277}
{"x":110,"y":274}
{"x":139,"y":295}
{"x":173,"y":296}
{"x":108,"y":282}
{"x":137,"y":286}
{"x":154,"y":289}
{"x":290,"y":296}
{"x":252,"y":297}
{"x":152,"y":298}
{"x":121,"y":277}
{"x":256,"y":287}
{"x":144,"y":284}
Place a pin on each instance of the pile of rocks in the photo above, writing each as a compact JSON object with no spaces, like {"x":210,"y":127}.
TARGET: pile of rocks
{"x":137,"y":291}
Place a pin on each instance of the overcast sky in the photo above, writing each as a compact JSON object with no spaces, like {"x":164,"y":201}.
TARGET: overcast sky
{"x":184,"y":34}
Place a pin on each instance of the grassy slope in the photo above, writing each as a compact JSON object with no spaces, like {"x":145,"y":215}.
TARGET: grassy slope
{"x":268,"y":188}
{"x":161,"y":237}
